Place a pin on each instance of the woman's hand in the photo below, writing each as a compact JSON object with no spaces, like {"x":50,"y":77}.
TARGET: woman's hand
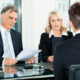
{"x":50,"y":59}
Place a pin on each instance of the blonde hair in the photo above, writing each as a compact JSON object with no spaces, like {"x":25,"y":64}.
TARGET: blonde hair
{"x":48,"y":28}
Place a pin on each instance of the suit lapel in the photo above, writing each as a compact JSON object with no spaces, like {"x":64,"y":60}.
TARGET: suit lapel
{"x":1,"y":43}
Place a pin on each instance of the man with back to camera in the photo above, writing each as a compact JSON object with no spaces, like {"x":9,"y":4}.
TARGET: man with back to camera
{"x":68,"y":52}
{"x":10,"y":40}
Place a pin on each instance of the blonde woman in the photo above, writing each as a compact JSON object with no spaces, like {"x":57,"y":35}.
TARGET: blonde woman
{"x":55,"y":28}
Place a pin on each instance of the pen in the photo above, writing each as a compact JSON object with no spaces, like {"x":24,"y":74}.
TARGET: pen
{"x":40,"y":55}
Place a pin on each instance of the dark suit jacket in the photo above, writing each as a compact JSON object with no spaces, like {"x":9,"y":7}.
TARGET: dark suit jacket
{"x":17,"y":43}
{"x":66,"y":54}
{"x":46,"y":45}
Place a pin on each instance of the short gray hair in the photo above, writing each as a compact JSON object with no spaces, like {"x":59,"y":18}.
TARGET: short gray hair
{"x":11,"y":7}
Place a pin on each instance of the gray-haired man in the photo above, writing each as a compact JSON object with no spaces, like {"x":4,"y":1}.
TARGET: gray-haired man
{"x":10,"y":40}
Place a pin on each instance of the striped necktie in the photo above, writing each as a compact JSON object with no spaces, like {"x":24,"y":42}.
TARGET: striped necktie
{"x":7,"y":46}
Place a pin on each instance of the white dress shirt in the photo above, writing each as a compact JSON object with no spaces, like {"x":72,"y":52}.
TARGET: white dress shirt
{"x":2,"y":30}
{"x":51,"y":33}
{"x":10,"y":41}
{"x":77,"y":32}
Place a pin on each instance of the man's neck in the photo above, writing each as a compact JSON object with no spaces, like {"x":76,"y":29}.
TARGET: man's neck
{"x":76,"y":30}
{"x":4,"y":26}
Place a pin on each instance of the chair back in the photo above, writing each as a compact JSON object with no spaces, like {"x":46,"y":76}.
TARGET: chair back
{"x":74,"y":72}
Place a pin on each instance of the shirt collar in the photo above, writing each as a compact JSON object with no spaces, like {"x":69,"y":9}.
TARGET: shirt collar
{"x":51,"y":33}
{"x":77,"y":32}
{"x":64,"y":33}
{"x":3,"y":29}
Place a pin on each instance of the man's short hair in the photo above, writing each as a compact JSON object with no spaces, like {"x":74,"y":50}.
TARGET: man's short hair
{"x":74,"y":14}
{"x":9,"y":7}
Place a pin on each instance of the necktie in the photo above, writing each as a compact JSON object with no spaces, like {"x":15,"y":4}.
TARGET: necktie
{"x":7,"y":46}
{"x":6,"y":75}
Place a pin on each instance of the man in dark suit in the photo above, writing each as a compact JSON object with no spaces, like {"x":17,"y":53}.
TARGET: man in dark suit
{"x":68,"y":52}
{"x":10,"y":40}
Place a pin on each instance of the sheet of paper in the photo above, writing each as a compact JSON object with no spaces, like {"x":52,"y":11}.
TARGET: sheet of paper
{"x":27,"y":53}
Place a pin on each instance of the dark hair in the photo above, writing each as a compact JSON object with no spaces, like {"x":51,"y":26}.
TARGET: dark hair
{"x":11,"y":7}
{"x":74,"y":14}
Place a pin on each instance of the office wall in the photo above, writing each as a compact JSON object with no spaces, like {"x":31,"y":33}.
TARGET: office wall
{"x":27,"y":23}
{"x":34,"y":20}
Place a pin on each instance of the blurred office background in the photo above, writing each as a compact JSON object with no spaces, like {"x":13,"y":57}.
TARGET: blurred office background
{"x":33,"y":16}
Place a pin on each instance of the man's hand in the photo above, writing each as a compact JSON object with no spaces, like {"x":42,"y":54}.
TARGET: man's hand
{"x":10,"y":61}
{"x":10,"y":70}
{"x":31,"y":60}
{"x":51,"y":69}
{"x":50,"y":59}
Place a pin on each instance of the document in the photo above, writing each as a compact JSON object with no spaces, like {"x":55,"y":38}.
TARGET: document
{"x":27,"y":53}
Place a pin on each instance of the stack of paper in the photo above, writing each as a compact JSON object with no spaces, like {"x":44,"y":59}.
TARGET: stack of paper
{"x":27,"y":53}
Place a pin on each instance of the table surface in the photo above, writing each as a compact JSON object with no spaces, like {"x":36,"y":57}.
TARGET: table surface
{"x":27,"y":71}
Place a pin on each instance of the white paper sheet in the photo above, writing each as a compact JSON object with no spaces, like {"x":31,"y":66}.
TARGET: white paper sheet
{"x":27,"y":53}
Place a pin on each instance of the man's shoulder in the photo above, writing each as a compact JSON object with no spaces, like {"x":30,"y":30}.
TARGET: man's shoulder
{"x":65,"y":44}
{"x":15,"y":32}
{"x":63,"y":48}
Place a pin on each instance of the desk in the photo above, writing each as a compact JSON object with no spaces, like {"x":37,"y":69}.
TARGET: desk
{"x":19,"y":72}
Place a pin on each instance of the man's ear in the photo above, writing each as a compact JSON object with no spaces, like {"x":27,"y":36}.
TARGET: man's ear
{"x":71,"y":24}
{"x":2,"y":16}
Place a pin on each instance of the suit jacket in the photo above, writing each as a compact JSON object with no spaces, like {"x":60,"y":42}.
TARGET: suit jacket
{"x":66,"y":54}
{"x":46,"y":45}
{"x":17,"y":44}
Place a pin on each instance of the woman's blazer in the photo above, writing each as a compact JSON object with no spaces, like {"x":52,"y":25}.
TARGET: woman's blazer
{"x":46,"y":44}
